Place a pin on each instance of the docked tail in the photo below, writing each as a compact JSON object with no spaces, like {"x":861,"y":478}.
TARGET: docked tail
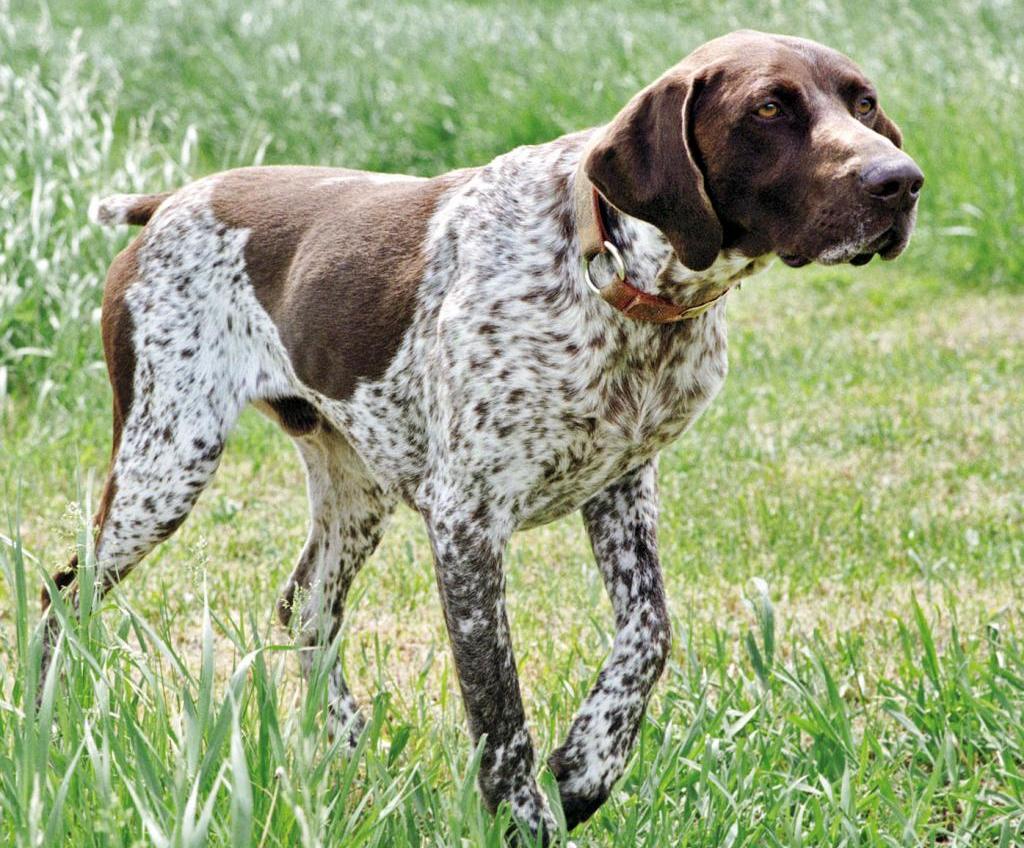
{"x":134,"y":209}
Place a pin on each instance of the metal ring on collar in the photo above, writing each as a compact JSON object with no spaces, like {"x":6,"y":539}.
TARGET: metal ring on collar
{"x":620,"y":265}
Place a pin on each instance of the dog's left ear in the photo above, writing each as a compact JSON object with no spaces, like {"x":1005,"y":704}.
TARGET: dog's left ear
{"x":885,"y":126}
{"x":644,"y":165}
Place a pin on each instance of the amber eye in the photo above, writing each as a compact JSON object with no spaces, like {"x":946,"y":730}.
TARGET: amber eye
{"x":864,"y":106}
{"x":771,"y":109}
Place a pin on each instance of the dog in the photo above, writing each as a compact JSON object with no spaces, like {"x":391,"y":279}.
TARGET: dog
{"x":496,"y":347}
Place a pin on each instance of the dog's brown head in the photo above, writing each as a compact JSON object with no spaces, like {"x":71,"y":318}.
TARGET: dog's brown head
{"x":763,"y":143}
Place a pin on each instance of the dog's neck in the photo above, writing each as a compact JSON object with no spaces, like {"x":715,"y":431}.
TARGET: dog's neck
{"x":654,"y":267}
{"x":651,"y":264}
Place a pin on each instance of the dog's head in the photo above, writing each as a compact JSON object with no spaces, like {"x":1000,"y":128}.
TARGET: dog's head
{"x":763,"y":143}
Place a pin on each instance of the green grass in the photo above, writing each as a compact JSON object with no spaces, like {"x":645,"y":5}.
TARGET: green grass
{"x":841,"y":533}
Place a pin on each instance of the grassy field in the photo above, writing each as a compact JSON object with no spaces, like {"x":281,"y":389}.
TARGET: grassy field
{"x":841,"y":533}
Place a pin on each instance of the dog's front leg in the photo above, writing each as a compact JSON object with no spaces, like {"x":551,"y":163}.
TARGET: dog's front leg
{"x":622,"y":523}
{"x":468,"y":549}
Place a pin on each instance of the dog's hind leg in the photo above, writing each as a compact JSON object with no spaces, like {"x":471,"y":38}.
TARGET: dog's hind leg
{"x":187,"y":347}
{"x":622,"y":523}
{"x":348,"y":513}
{"x":165,"y":454}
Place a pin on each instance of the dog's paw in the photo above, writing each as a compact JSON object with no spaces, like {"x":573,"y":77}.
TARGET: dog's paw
{"x":578,"y":808}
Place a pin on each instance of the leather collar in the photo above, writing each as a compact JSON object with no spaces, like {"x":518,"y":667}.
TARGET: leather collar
{"x":620,"y":293}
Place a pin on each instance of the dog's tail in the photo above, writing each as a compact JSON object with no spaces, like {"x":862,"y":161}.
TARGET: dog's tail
{"x":134,"y":209}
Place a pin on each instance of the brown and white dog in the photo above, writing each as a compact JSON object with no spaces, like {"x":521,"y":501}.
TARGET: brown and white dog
{"x":440,"y":342}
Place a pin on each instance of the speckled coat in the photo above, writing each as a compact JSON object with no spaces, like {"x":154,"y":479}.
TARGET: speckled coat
{"x":432,"y":342}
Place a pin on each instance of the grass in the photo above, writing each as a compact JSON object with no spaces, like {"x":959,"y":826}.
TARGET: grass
{"x":841,"y":532}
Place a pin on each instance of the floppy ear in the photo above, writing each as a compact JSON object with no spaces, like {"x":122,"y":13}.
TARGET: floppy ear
{"x":644,"y":166}
{"x":885,"y":126}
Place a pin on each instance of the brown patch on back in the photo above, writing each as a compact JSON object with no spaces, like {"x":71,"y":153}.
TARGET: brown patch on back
{"x":336,"y":259}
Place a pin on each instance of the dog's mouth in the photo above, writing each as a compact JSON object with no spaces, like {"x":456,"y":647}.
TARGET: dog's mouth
{"x":880,"y":247}
{"x":889,"y":244}
{"x":794,"y":260}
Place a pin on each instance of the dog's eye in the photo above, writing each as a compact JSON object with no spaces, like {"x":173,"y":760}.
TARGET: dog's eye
{"x":864,"y":106}
{"x":771,"y":109}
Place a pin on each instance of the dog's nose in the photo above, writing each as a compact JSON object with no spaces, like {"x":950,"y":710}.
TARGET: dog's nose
{"x":895,"y":182}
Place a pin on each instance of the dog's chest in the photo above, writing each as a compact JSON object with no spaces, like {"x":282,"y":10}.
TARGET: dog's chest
{"x":637,"y":401}
{"x":517,"y":386}
{"x":540,"y":419}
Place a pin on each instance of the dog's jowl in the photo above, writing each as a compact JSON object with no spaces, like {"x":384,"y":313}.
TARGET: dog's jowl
{"x":496,"y":347}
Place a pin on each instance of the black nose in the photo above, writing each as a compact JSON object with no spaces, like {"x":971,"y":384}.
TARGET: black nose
{"x":895,"y":182}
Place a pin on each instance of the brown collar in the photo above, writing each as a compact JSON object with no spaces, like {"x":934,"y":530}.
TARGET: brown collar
{"x":619,"y":293}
